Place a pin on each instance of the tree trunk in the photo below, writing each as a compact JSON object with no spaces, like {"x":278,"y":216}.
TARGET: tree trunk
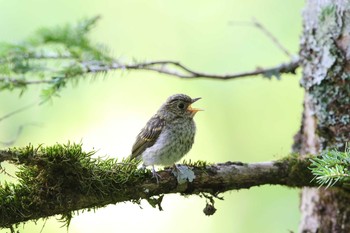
{"x":325,"y":57}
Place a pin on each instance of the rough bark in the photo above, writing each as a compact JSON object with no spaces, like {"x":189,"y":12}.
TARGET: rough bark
{"x":325,"y":54}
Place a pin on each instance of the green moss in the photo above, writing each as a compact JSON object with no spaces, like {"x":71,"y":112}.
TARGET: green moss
{"x":296,"y":168}
{"x":63,"y":178}
{"x":198,"y":164}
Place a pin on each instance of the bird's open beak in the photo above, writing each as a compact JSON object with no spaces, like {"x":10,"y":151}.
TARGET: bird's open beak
{"x":194,"y":110}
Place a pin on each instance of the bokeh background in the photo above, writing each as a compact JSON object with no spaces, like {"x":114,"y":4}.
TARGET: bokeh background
{"x":250,"y":119}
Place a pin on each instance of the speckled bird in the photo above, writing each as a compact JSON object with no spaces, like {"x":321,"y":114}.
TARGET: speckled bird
{"x":168,"y":135}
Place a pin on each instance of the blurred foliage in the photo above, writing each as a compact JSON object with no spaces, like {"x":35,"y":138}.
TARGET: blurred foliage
{"x":52,"y":56}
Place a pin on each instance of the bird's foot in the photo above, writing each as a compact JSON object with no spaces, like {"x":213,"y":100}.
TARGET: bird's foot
{"x":155,"y":175}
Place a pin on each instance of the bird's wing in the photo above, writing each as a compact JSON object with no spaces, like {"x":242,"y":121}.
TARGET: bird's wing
{"x":148,"y":136}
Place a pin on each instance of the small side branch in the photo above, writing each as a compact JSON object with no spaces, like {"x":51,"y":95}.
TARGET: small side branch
{"x":179,"y":70}
{"x":266,"y":32}
{"x":22,"y":82}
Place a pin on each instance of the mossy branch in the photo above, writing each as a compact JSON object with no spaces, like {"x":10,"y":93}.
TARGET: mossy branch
{"x":60,"y":179}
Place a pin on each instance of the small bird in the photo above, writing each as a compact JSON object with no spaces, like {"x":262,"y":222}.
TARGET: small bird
{"x":168,"y":135}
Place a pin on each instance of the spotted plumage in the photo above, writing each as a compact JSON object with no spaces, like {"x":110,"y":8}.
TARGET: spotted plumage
{"x":169,"y":134}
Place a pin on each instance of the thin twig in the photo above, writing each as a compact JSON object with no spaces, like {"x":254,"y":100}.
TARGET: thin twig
{"x":20,"y":128}
{"x":262,"y":28}
{"x":272,"y":37}
{"x":16,"y":111}
{"x":18,"y":134}
{"x":21,"y":81}
{"x":170,"y":68}
{"x":11,"y":142}
{"x":43,"y":226}
{"x":39,"y":56}
{"x":3,"y":171}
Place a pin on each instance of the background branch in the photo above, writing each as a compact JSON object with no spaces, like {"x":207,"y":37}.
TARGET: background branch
{"x":164,"y":68}
{"x":57,"y":55}
{"x":172,"y":68}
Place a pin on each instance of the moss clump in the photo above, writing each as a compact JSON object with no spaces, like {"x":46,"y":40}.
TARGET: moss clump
{"x":197,"y":164}
{"x":61,"y":179}
{"x":296,"y":169}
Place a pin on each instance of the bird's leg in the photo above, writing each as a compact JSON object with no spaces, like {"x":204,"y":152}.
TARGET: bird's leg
{"x":155,"y":174}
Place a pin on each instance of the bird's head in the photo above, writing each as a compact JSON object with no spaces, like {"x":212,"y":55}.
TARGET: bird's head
{"x":179,"y":105}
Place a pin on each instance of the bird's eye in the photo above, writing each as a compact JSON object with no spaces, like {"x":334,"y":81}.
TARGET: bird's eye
{"x":181,"y":105}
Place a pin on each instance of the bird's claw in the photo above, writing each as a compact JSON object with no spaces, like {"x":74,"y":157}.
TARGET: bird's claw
{"x":155,"y":175}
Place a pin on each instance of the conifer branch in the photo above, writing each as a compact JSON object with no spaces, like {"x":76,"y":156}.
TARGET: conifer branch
{"x":331,"y":167}
{"x":55,"y":56}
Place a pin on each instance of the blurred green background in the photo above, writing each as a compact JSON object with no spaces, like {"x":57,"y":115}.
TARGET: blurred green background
{"x":249,"y":120}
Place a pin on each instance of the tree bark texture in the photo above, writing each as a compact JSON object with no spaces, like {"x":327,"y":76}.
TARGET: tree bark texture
{"x":325,"y":58}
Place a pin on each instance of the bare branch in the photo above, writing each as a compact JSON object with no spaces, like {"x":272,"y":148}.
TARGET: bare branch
{"x":185,"y":72}
{"x":166,"y":67}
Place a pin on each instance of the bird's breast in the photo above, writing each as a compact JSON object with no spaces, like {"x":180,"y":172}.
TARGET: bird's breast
{"x":173,"y":143}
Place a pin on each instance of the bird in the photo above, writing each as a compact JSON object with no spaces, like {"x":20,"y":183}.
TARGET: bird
{"x":168,"y":135}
